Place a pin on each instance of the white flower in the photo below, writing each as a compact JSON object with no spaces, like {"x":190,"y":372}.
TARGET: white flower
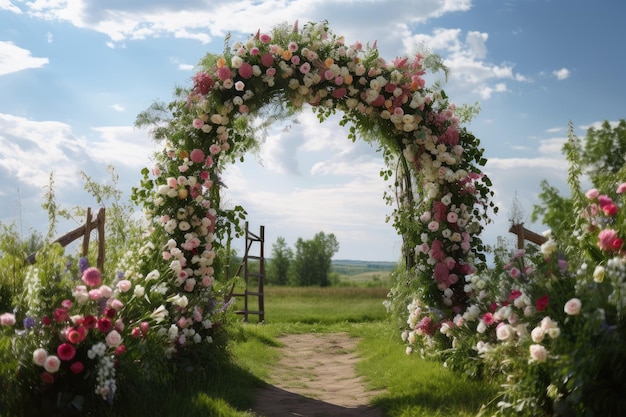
{"x":505,"y":332}
{"x":159,"y":314}
{"x":113,"y":339}
{"x":548,"y":248}
{"x":538,"y":353}
{"x":537,"y":334}
{"x":572,"y":307}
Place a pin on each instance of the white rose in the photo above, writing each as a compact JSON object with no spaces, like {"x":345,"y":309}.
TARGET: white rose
{"x":572,"y":307}
{"x":538,"y":353}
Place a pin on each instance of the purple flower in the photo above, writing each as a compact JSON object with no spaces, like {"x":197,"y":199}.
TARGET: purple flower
{"x":29,"y":323}
{"x":83,"y":264}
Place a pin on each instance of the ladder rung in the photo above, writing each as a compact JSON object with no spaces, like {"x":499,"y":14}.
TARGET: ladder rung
{"x":260,"y":293}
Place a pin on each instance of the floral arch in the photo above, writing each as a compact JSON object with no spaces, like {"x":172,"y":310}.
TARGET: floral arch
{"x":441,"y":196}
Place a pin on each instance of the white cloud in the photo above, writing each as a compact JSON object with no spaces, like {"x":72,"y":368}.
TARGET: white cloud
{"x":561,"y":74}
{"x":14,"y":59}
{"x":118,"y":107}
{"x":123,"y":145}
{"x":7,"y":5}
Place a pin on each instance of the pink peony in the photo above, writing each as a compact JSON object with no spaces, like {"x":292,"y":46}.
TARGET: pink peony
{"x":92,"y":277}
{"x":621,"y":188}
{"x":197,"y":123}
{"x":66,"y":351}
{"x":265,"y":38}
{"x":245,"y":70}
{"x":224,"y":73}
{"x":60,"y":315}
{"x":197,"y":156}
{"x":267,"y":60}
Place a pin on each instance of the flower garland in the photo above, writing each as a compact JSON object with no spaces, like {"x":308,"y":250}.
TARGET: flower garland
{"x":439,"y":213}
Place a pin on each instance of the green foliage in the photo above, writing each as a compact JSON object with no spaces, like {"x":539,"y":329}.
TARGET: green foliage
{"x":278,"y":268}
{"x":312,"y":260}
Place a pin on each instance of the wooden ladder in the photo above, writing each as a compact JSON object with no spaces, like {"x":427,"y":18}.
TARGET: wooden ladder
{"x":253,"y":280}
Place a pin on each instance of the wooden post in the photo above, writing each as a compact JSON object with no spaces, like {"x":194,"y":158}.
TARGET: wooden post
{"x":100,"y":220}
{"x":524,"y":234}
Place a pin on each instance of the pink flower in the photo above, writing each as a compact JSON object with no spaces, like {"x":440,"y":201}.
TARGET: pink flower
{"x":77,"y":367}
{"x":124,"y":285}
{"x":592,"y":194}
{"x":39,"y":356}
{"x":339,"y":92}
{"x":254,"y":51}
{"x":295,"y":60}
{"x":433,"y":226}
{"x":267,"y":60}
{"x":610,"y":209}
{"x":240,"y":86}
{"x":60,"y":315}
{"x":92,"y":277}
{"x":224,"y":73}
{"x":113,"y":339}
{"x":293,"y":47}
{"x":514,"y":295}
{"x":572,"y":307}
{"x":116,"y":304}
{"x":198,"y":123}
{"x":270,"y":72}
{"x":7,"y":319}
{"x":488,"y":319}
{"x":265,"y":38}
{"x":608,"y":240}
{"x":245,"y":70}
{"x":621,"y":188}
{"x":203,"y":82}
{"x":66,"y":351}
{"x":452,"y":217}
{"x":52,"y":364}
{"x":514,"y":272}
{"x":196,"y":156}
{"x":104,"y":324}
{"x":95,"y":294}
{"x":215,"y":149}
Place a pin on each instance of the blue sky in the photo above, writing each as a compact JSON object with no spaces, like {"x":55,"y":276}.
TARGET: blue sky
{"x":74,"y":75}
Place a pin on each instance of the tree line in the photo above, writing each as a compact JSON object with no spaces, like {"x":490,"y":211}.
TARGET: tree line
{"x":307,"y":264}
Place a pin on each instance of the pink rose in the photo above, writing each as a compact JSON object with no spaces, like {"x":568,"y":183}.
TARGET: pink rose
{"x":113,"y":339}
{"x":197,"y":123}
{"x":592,"y":194}
{"x":572,"y":307}
{"x":52,"y":364}
{"x":39,"y":356}
{"x":224,"y":73}
{"x":621,"y":188}
{"x":265,"y":38}
{"x":124,"y":285}
{"x":106,"y":291}
{"x":7,"y":319}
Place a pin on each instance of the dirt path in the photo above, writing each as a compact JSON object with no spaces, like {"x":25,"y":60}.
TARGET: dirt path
{"x":316,"y":378}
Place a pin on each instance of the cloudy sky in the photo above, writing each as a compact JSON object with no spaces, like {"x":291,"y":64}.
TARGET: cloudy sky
{"x":75,"y":73}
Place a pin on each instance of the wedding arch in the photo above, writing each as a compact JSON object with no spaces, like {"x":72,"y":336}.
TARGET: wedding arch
{"x":440,"y":195}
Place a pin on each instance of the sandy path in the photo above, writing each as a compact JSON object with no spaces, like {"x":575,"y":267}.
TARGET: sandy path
{"x":316,"y":378}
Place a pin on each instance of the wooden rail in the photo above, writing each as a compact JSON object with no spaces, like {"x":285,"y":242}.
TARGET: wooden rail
{"x":83,"y":231}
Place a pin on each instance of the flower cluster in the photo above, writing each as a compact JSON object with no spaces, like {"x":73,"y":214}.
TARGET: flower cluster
{"x":541,"y":314}
{"x":66,"y":340}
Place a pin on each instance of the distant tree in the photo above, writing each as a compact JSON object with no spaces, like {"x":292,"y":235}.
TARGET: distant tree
{"x":604,"y":150}
{"x":278,"y":268}
{"x":312,"y":261}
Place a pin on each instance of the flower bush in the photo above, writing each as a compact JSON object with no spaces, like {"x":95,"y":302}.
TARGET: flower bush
{"x":550,"y":329}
